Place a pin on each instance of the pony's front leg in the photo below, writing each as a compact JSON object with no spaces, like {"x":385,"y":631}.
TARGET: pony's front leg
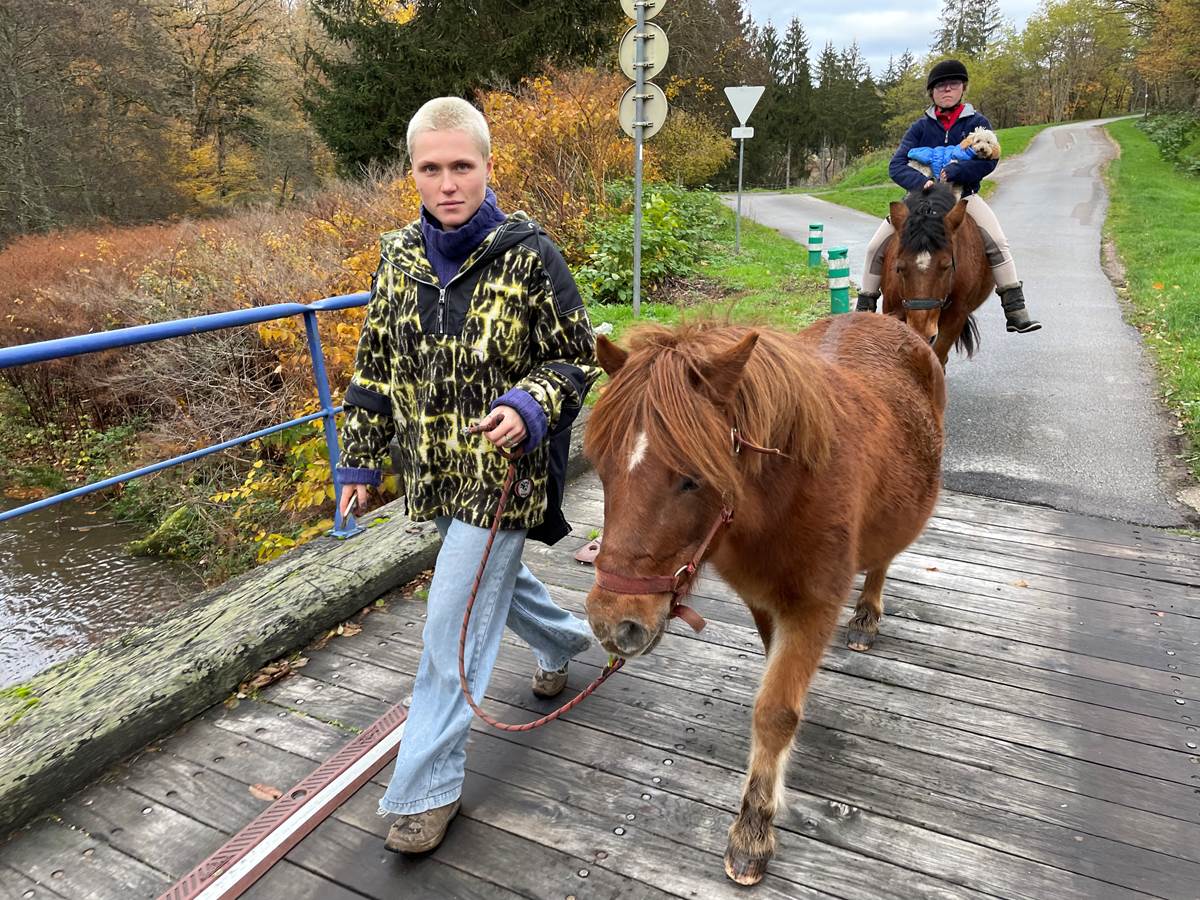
{"x":796,"y":647}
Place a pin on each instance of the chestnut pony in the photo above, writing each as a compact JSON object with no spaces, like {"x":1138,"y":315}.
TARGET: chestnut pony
{"x":854,"y":406}
{"x":935,"y":269}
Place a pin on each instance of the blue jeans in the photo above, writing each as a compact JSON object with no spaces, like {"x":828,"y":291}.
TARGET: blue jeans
{"x":431,"y":762}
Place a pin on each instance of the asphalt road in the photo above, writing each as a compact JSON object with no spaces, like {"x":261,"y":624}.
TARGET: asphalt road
{"x":1067,"y":416}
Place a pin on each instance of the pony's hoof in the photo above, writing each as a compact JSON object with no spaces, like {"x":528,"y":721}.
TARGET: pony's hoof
{"x":857,"y":639}
{"x":745,"y":869}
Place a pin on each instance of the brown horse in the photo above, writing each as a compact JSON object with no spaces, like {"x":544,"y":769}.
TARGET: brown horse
{"x":854,"y":406}
{"x":935,"y":269}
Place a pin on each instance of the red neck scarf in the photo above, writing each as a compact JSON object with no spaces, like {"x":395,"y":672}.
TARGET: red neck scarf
{"x":947,"y":117}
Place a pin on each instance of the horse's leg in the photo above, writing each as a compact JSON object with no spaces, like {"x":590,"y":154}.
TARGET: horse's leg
{"x":765,"y":622}
{"x":943,"y":345}
{"x":864,"y":625}
{"x":798,"y":641}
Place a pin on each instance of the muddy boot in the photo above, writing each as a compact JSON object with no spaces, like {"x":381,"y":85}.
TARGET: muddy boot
{"x":549,"y":684}
{"x":867,"y":302}
{"x":1013,"y":301}
{"x":421,"y":832}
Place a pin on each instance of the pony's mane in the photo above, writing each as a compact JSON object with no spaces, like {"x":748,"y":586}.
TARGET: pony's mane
{"x":781,"y":401}
{"x":924,"y":229}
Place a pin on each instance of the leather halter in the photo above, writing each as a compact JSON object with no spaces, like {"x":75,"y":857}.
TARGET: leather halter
{"x":680,"y":583}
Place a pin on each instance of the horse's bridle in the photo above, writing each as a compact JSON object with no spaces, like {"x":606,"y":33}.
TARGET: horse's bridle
{"x":680,"y":583}
{"x":922,"y":303}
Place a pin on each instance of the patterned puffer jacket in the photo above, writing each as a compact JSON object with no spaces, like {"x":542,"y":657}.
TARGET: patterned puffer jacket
{"x":432,"y":360}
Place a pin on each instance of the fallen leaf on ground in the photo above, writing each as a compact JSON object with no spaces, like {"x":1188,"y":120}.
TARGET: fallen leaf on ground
{"x":265,"y":792}
{"x":932,"y":569}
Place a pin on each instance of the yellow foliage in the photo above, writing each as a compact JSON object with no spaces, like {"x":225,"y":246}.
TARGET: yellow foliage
{"x":555,"y":142}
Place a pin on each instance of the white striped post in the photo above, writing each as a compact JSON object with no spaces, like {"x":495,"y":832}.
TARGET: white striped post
{"x":816,"y":238}
{"x":839,"y":280}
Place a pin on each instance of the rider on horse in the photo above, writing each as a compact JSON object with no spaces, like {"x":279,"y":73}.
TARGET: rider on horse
{"x":947,"y":122}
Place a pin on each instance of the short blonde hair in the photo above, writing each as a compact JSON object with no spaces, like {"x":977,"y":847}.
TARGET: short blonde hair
{"x":448,"y":114}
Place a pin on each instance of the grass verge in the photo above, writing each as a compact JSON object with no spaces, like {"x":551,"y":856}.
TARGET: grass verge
{"x":769,"y":282}
{"x":1153,"y":219}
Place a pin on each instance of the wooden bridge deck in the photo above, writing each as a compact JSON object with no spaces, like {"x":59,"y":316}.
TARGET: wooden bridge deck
{"x":1027,"y":726}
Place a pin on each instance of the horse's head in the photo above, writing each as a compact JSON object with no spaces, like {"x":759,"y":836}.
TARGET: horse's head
{"x":660,"y":440}
{"x":924,"y":261}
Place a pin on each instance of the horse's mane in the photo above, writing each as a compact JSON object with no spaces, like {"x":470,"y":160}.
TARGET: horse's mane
{"x":781,"y":401}
{"x":924,"y":229}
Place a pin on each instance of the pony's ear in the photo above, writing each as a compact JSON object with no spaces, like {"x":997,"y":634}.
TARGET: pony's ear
{"x":610,"y":356}
{"x":718,"y":377}
{"x":897,"y":214}
{"x":954,"y":218}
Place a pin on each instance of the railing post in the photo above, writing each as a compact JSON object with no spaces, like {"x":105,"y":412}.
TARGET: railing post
{"x":816,"y":238}
{"x":839,"y":280}
{"x":349,"y":527}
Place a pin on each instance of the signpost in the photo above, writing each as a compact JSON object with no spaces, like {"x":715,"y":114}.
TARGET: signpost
{"x":743,"y":99}
{"x":643,"y":109}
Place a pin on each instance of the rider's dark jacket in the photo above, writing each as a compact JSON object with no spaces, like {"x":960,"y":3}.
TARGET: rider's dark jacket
{"x":927,"y":131}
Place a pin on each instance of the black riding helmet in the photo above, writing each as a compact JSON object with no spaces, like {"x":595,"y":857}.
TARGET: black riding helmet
{"x":946,"y":70}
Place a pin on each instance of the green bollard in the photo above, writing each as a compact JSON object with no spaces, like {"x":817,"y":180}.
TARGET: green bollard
{"x":839,"y":280}
{"x":816,"y":238}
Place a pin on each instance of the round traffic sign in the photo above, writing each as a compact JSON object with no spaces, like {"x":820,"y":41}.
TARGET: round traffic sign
{"x":654,"y":110}
{"x":657,"y":48}
{"x":653,"y":8}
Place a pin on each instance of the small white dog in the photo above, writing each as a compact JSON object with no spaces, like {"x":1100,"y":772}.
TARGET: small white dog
{"x":981,"y":143}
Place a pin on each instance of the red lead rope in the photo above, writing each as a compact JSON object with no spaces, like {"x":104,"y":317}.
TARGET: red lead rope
{"x":462,"y":638}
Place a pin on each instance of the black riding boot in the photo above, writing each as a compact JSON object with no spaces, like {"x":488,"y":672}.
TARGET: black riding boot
{"x":867,"y":302}
{"x":1013,"y":301}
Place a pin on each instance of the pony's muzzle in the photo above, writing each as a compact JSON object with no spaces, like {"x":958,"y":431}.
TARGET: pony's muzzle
{"x":624,"y":625}
{"x":630,"y":638}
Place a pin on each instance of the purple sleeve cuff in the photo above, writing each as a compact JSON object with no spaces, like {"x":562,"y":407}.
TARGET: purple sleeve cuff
{"x":532,"y":414}
{"x":349,"y":475}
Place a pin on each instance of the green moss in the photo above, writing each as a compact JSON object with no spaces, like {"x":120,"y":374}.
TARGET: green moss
{"x":22,"y":698}
{"x":183,"y":534}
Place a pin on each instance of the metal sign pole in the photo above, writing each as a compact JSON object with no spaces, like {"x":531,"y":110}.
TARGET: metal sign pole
{"x":737,"y":228}
{"x":639,"y":128}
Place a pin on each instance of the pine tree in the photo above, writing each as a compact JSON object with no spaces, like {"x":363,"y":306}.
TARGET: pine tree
{"x":966,"y":26}
{"x":364,"y":98}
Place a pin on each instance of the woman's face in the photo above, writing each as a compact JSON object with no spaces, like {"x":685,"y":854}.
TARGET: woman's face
{"x":451,"y":174}
{"x":948,"y":94}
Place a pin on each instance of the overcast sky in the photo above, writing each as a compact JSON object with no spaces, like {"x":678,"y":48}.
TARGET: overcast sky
{"x":883,"y":27}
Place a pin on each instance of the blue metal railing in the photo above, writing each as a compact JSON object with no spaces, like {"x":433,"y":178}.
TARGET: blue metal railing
{"x":61,"y":348}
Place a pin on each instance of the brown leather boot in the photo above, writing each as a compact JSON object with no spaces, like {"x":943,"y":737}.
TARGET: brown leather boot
{"x":549,"y":684}
{"x":421,"y":832}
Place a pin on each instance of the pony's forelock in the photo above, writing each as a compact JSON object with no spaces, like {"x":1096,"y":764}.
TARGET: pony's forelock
{"x":657,"y":393}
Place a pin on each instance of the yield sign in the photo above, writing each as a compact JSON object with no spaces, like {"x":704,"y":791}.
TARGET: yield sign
{"x":743,"y":99}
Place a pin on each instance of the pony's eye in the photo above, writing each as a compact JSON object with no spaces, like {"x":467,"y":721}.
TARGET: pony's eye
{"x":687,"y":485}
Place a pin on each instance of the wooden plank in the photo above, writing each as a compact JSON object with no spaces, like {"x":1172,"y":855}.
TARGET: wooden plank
{"x":907,"y":620}
{"x":1052,"y":521}
{"x":1131,"y":560}
{"x":1096,"y":711}
{"x":854,"y":705}
{"x":80,"y":864}
{"x":985,"y":567}
{"x":624,"y":755}
{"x":15,"y":886}
{"x":1033,"y":521}
{"x":481,"y":857}
{"x":919,"y":796}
